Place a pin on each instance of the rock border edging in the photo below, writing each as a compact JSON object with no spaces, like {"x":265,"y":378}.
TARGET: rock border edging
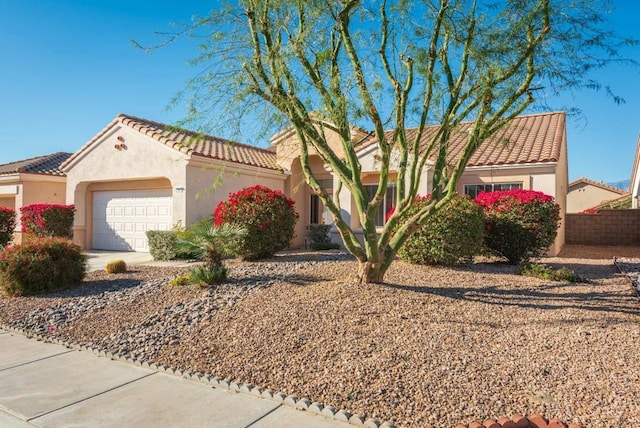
{"x":292,"y":400}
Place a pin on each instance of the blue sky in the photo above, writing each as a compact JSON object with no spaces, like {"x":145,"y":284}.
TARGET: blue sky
{"x":68,"y":67}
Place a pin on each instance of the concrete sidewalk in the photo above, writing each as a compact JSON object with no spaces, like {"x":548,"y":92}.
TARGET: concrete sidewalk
{"x":48,"y":385}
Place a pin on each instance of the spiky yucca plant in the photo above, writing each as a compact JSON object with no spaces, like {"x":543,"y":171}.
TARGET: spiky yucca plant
{"x":210,"y":244}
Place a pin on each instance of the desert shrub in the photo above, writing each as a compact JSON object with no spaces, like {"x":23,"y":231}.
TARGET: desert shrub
{"x":267,"y":215}
{"x":162,"y":244}
{"x":7,"y":225}
{"x":452,"y":235}
{"x":520,"y":224}
{"x":318,"y":235}
{"x":545,"y":272}
{"x":179,"y":280}
{"x":205,"y":275}
{"x":41,"y":266}
{"x":48,"y":220}
{"x":187,"y":234}
{"x":116,"y":266}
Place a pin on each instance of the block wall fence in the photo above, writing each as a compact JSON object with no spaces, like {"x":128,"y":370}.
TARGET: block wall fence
{"x":608,"y":227}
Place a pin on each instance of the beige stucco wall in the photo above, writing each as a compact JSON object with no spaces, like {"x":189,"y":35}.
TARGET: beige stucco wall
{"x":8,"y":202}
{"x":584,"y":195}
{"x":208,"y":183}
{"x":143,"y":164}
{"x":562,"y":186}
{"x":19,"y":190}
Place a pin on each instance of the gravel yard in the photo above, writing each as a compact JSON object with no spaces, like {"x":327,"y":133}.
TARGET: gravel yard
{"x":433,"y":346}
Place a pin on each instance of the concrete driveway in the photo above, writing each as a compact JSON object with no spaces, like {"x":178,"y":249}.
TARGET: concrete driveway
{"x":98,"y":259}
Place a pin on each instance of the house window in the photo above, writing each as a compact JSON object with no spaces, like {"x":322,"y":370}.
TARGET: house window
{"x":314,"y":209}
{"x":387,"y":204}
{"x":474,"y":189}
{"x":317,"y":211}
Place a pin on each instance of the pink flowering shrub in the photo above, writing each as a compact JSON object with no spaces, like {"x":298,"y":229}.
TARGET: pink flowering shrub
{"x":42,"y":266}
{"x":7,"y":225}
{"x":520,"y":224}
{"x":48,"y":220}
{"x":267,"y":215}
{"x":453,"y":235}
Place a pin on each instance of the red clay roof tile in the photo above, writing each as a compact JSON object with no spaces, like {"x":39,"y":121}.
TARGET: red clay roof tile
{"x":46,"y":165}
{"x":526,"y":139}
{"x":192,"y":143}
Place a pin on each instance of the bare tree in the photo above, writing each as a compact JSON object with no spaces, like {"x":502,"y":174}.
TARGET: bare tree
{"x":399,"y":65}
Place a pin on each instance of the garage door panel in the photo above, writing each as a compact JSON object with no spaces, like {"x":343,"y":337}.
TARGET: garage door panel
{"x":121,"y":218}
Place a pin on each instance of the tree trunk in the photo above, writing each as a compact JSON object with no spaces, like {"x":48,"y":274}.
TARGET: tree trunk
{"x":371,"y":272}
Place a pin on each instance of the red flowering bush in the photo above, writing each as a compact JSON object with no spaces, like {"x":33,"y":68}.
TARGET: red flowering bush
{"x":48,"y":220}
{"x":452,"y":235}
{"x":40,"y":267}
{"x":520,"y":224}
{"x":267,"y":215}
{"x":7,"y":225}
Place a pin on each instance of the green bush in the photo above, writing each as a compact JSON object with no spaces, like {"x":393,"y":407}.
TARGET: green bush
{"x":7,"y":225}
{"x":318,"y":235}
{"x":205,"y":275}
{"x":267,"y":215}
{"x":520,"y":224}
{"x":48,"y":220}
{"x":39,"y":267}
{"x":544,"y":272}
{"x":452,"y":235}
{"x":162,"y":244}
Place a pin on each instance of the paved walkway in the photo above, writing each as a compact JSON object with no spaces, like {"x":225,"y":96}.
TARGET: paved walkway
{"x":47,"y":385}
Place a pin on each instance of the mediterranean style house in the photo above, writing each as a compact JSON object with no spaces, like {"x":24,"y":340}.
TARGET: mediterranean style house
{"x":32,"y":181}
{"x":528,"y":153}
{"x":137,"y":175}
{"x":584,"y":194}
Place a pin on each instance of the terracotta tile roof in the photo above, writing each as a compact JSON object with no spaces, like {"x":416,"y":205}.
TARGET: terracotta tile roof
{"x":583,"y":180}
{"x":526,"y":139}
{"x":615,"y":203}
{"x":192,"y":143}
{"x":46,"y":165}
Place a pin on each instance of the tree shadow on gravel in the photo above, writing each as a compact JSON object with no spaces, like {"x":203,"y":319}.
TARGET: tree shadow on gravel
{"x":294,"y":279}
{"x":585,"y":270}
{"x":610,"y":302}
{"x":92,"y":288}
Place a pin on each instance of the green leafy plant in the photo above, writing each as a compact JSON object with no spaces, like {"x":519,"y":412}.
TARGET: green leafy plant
{"x":162,"y":244}
{"x":520,"y":224}
{"x":116,"y":266}
{"x":545,"y":272}
{"x":318,"y":235}
{"x":267,"y":215}
{"x":179,"y":280}
{"x":48,"y":220}
{"x":206,"y":275}
{"x":7,"y":225}
{"x":210,"y":243}
{"x":452,"y":235}
{"x":41,"y":266}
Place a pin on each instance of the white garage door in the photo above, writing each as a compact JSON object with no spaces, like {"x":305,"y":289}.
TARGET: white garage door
{"x":121,"y":218}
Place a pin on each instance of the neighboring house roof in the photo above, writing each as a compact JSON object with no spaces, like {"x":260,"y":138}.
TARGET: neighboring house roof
{"x":46,"y":165}
{"x":623,"y":201}
{"x":526,"y":139}
{"x":191,"y":143}
{"x":604,"y":186}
